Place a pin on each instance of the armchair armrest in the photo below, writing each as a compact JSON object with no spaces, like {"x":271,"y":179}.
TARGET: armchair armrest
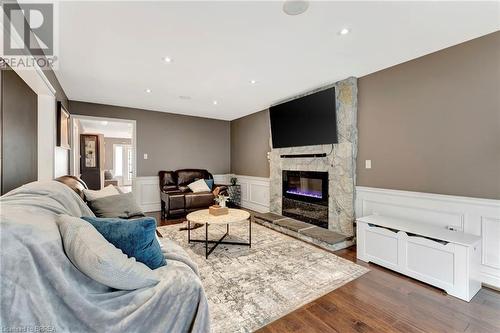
{"x":219,"y":189}
{"x":170,"y":189}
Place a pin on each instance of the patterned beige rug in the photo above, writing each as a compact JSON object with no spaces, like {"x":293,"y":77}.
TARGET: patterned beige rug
{"x":249,"y":288}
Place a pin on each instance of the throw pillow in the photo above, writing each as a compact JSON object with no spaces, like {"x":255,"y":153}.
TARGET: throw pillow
{"x":105,"y":192}
{"x":95,"y":257}
{"x":108,"y":175}
{"x":136,"y":238}
{"x":210,"y":183}
{"x":199,"y":186}
{"x":121,"y":205}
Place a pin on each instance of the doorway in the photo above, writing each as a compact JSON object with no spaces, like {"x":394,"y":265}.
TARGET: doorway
{"x":122,"y":163}
{"x":114,"y":157}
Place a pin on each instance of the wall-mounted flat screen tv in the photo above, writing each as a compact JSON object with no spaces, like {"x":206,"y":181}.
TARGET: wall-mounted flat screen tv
{"x":305,"y":121}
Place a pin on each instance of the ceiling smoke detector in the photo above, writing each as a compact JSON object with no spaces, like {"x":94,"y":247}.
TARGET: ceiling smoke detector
{"x":295,"y":7}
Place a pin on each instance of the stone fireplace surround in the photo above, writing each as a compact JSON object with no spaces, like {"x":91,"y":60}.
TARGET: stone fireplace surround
{"x":339,"y":162}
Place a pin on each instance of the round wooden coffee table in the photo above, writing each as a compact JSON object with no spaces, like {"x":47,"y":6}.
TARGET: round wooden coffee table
{"x":204,"y":217}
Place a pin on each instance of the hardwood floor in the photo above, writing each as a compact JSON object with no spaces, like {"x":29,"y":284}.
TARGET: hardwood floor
{"x":384,"y":301}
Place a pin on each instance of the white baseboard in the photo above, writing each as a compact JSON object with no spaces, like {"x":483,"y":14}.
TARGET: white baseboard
{"x":472,"y":215}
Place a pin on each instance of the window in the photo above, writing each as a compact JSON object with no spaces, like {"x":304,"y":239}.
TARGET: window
{"x":118,"y":161}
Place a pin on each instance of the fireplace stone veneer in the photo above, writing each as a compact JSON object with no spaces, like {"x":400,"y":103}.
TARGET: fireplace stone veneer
{"x":339,"y":162}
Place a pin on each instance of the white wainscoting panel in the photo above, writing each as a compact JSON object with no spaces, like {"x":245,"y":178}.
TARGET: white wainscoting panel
{"x":47,"y":138}
{"x":147,"y":193}
{"x":472,"y":215}
{"x":61,"y":162}
{"x":222,"y":179}
{"x":254,"y":192}
{"x":490,"y":231}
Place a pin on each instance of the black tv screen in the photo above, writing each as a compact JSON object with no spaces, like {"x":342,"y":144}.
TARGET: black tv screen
{"x":305,"y":121}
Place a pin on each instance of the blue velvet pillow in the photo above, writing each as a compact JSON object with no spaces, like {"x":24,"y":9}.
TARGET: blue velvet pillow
{"x":136,"y":238}
{"x":210,"y":183}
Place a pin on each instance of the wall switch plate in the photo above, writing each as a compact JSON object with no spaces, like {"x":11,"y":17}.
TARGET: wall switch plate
{"x":368,"y":164}
{"x":145,"y":156}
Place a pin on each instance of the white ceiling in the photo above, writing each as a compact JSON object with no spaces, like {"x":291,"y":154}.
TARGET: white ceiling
{"x":110,"y":129}
{"x":110,"y":52}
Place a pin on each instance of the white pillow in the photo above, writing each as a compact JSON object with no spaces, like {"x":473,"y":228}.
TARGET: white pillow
{"x":105,"y":192}
{"x":199,"y":186}
{"x":100,"y":260}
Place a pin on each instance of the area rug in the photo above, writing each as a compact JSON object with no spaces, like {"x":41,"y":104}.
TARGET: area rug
{"x":248,"y":288}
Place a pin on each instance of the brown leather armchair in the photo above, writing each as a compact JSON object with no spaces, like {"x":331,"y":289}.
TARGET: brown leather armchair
{"x":177,"y":198}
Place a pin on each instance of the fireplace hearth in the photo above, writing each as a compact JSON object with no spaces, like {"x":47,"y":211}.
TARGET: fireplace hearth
{"x":305,"y":196}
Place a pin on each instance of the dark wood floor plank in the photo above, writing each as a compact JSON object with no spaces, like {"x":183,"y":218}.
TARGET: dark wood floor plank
{"x":266,"y":329}
{"x":452,"y":307}
{"x":340,"y":319}
{"x":388,"y":298}
{"x":401,"y":326}
{"x":385,"y":301}
{"x":291,"y":323}
{"x":370,"y":317}
{"x":343,"y":299}
{"x":312,"y":321}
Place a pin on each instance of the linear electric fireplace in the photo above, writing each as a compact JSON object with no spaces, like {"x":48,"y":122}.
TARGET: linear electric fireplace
{"x":305,"y":196}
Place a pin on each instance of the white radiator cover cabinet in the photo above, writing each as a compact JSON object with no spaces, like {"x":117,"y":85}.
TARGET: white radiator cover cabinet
{"x":449,"y":263}
{"x":474,"y":216}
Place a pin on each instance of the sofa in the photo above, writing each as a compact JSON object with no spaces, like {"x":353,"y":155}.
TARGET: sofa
{"x":41,"y":289}
{"x":177,"y":198}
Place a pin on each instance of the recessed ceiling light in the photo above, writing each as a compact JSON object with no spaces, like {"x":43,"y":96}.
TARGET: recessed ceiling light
{"x":167,"y":59}
{"x":253,"y":82}
{"x":295,"y":7}
{"x":215,"y":102}
{"x":344,"y":31}
{"x":104,"y":122}
{"x":148,"y":90}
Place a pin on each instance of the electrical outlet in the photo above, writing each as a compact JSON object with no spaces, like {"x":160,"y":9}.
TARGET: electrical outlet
{"x":368,"y":164}
{"x":145,"y":156}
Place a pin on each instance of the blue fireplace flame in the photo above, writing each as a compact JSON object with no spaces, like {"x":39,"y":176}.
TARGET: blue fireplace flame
{"x":311,"y":194}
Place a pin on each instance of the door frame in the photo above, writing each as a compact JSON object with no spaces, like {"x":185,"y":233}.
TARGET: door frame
{"x":133,"y":144}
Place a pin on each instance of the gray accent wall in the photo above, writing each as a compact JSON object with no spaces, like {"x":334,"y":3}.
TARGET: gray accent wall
{"x":18,"y":132}
{"x":250,"y":144}
{"x":433,"y":124}
{"x":171,"y":141}
{"x":429,"y":125}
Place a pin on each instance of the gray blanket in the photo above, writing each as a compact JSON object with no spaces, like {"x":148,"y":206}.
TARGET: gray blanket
{"x":40,"y":287}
